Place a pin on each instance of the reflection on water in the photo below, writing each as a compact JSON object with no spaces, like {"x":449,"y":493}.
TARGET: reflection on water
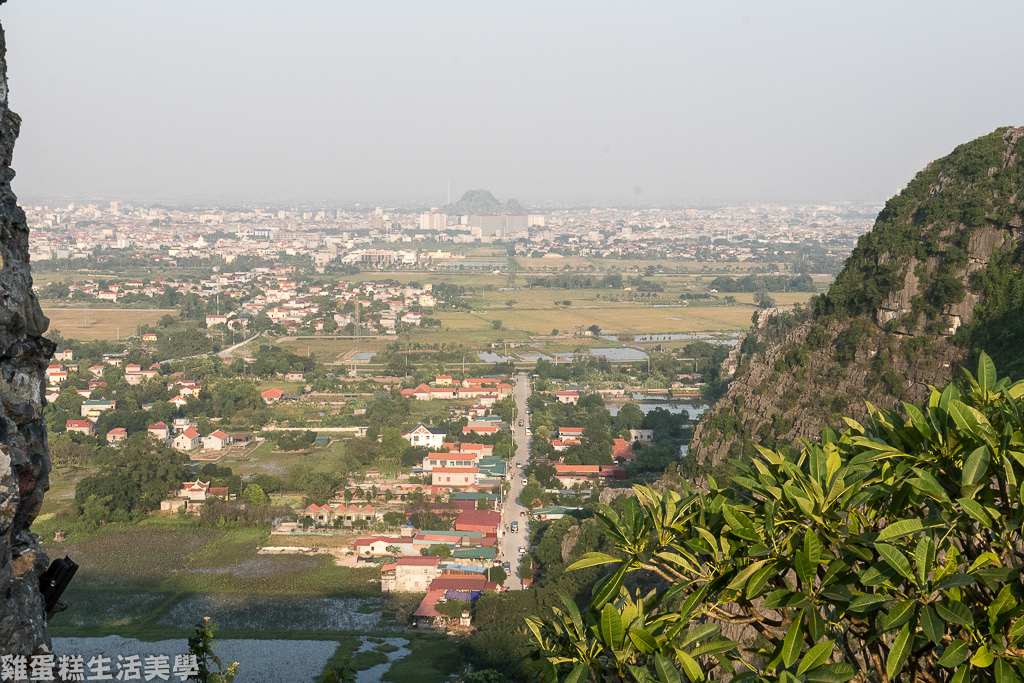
{"x":693,"y":408}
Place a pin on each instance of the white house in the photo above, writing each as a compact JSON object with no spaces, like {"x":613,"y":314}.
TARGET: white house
{"x":425,"y":436}
{"x":216,"y":441}
{"x":188,"y":440}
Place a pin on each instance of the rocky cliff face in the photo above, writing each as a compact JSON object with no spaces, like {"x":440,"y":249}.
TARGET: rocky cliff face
{"x":940,"y":269}
{"x":24,"y":457}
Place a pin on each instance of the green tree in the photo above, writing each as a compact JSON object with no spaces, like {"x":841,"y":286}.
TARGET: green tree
{"x":498,"y":575}
{"x":890,"y":552}
{"x":763,"y":299}
{"x":441,"y":550}
{"x":255,"y":494}
{"x":496,"y":324}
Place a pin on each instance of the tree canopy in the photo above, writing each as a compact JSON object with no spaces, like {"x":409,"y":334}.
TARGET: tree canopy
{"x":890,"y":552}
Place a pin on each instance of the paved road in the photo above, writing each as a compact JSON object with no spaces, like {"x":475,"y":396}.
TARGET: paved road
{"x":226,"y":353}
{"x":511,"y":511}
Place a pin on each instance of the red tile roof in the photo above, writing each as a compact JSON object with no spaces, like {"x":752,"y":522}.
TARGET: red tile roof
{"x":461,"y":582}
{"x":419,"y":561}
{"x":485,"y":518}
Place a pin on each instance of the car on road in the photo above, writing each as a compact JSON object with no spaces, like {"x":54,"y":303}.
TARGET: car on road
{"x":525,"y":481}
{"x":519,"y":465}
{"x":521,"y":423}
{"x":522,"y":550}
{"x":506,"y":566}
{"x":522,"y":513}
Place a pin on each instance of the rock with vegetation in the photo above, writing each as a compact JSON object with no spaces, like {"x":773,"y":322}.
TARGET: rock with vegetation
{"x":24,"y":457}
{"x":938,"y":279}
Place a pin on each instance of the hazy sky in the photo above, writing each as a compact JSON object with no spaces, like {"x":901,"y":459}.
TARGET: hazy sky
{"x":652,"y":102}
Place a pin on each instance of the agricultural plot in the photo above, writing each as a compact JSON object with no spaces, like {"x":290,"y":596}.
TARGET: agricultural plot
{"x":102,"y":323}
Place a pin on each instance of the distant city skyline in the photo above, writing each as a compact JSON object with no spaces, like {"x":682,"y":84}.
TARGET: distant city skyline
{"x":601,"y":104}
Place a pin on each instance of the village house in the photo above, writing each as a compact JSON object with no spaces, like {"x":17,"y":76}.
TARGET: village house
{"x":117,"y":435}
{"x":568,"y":475}
{"x":159,"y":431}
{"x":272,"y":395}
{"x":65,"y":354}
{"x":216,"y":441}
{"x":567,"y":397}
{"x":428,"y":437}
{"x":409,"y":574}
{"x":487,"y":522}
{"x":80,"y":426}
{"x":644,"y":436}
{"x":453,"y":476}
{"x":375,"y":546}
{"x":93,"y":409}
{"x":187,"y":440}
{"x":622,"y":451}
{"x":328,"y":514}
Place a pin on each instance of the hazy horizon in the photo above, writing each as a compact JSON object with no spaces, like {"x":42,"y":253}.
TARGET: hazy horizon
{"x":576,"y":104}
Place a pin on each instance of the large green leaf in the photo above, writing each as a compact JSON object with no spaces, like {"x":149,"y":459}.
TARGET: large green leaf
{"x":760,"y":578}
{"x":839,"y":672}
{"x":900,"y":651}
{"x":925,"y":482}
{"x":643,"y":640}
{"x":592,"y":560}
{"x":611,"y":627}
{"x":868,"y":602}
{"x":986,"y":372}
{"x":815,"y":657}
{"x":667,"y":673}
{"x":1005,"y":672}
{"x":578,"y":674}
{"x":903,"y":527}
{"x":739,"y":523}
{"x":932,"y":625}
{"x":791,"y":645}
{"x":895,"y":559}
{"x":976,"y":510}
{"x":955,"y":655}
{"x":690,"y":666}
{"x":924,"y":555}
{"x":741,"y":579}
{"x":574,"y":613}
{"x":976,"y":465}
{"x":983,"y":657}
{"x":955,"y":612}
{"x":899,"y":614}
{"x":610,"y":588}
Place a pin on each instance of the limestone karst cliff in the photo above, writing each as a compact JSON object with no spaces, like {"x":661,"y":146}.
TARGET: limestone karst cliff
{"x":24,"y":457}
{"x":938,"y":278}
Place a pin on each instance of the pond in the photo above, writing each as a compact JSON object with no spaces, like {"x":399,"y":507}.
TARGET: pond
{"x":260,"y":661}
{"x":693,"y":408}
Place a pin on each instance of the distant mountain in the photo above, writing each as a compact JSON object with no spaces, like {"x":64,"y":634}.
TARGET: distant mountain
{"x":481,"y":202}
{"x":939,"y":278}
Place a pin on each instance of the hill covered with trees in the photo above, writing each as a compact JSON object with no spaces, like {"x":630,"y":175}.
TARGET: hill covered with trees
{"x":938,"y":279}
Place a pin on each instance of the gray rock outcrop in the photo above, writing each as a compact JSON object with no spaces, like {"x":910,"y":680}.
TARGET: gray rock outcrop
{"x":24,"y":455}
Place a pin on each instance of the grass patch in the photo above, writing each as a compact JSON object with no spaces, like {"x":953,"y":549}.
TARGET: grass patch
{"x":387,"y":647}
{"x":367,"y":659}
{"x":433,"y":659}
